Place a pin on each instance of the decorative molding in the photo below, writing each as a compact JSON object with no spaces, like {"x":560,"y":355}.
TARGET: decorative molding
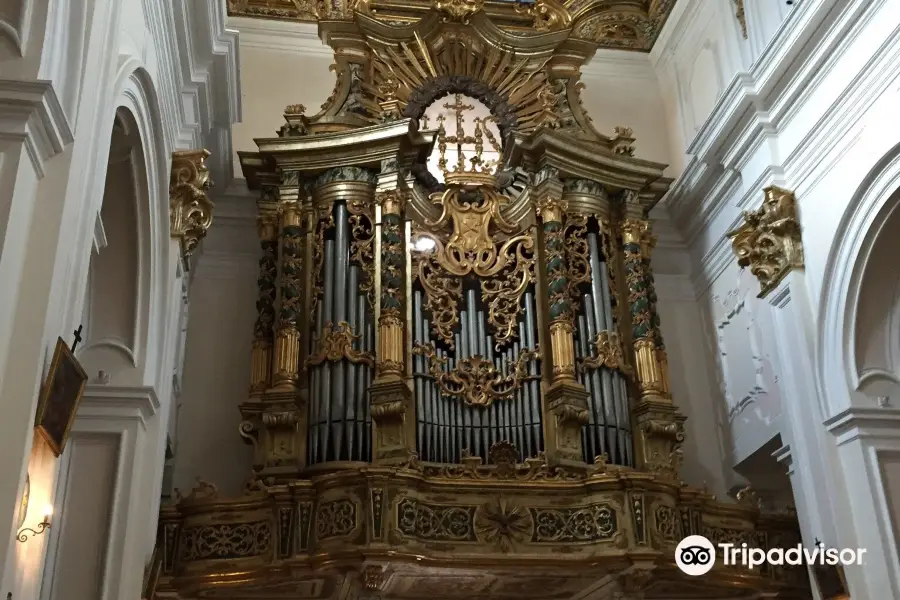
{"x":769,"y":239}
{"x":784,"y":456}
{"x":100,"y":240}
{"x":199,"y":68}
{"x":857,"y":423}
{"x":609,"y":26}
{"x":741,"y":16}
{"x":31,"y":112}
{"x":116,"y":403}
{"x":280,"y":36}
{"x":806,"y":38}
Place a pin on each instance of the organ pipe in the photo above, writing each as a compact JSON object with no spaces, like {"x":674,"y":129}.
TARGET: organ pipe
{"x":440,"y":329}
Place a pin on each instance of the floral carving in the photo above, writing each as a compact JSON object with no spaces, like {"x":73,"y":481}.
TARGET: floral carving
{"x":503,"y":524}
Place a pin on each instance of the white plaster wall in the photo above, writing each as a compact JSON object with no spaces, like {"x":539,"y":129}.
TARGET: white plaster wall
{"x":621,"y":89}
{"x":217,"y":372}
{"x":814,"y":112}
{"x":67,"y":66}
{"x":698,"y":53}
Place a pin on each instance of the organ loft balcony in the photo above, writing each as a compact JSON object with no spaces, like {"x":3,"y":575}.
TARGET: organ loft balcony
{"x":459,"y":388}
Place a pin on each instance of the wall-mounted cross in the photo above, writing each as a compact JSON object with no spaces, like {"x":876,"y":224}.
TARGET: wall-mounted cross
{"x":77,"y":337}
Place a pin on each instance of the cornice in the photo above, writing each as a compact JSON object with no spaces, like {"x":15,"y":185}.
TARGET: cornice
{"x":291,"y":37}
{"x":31,"y":113}
{"x":601,"y":21}
{"x":117,"y":404}
{"x":870,"y":423}
{"x":759,"y":104}
{"x":199,"y":65}
{"x":302,"y":38}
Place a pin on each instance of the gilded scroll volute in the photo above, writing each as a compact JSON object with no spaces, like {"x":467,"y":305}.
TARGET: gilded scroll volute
{"x":769,"y":240}
{"x":190,"y":207}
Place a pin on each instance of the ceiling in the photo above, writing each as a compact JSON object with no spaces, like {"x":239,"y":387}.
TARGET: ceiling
{"x":620,"y":24}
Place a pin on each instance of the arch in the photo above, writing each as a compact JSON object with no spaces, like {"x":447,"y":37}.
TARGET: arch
{"x":136,"y":92}
{"x":868,"y":213}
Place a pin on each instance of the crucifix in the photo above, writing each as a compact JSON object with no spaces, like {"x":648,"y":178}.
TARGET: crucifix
{"x":459,"y":108}
{"x":77,"y":337}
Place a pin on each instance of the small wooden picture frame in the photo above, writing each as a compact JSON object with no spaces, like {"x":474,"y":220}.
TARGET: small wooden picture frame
{"x":832,"y":582}
{"x":60,"y":397}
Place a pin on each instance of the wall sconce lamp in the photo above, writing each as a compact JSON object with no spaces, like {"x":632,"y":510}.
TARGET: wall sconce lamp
{"x":27,"y":532}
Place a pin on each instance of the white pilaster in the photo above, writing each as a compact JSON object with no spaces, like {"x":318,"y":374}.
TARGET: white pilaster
{"x":867,"y":439}
{"x":836,"y":489}
{"x":809,"y":448}
{"x":33,"y":130}
{"x":124,"y":414}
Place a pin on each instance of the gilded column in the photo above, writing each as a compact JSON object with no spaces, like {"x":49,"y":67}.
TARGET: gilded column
{"x":263,"y":331}
{"x":660,"y":428}
{"x":275,"y":418}
{"x":287,"y":334}
{"x":565,"y":398}
{"x":393,"y":419}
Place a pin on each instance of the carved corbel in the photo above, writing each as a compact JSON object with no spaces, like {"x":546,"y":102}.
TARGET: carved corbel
{"x":189,"y":204}
{"x":769,"y":240}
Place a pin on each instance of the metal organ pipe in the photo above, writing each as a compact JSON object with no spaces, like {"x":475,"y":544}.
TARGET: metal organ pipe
{"x":446,"y":425}
{"x":608,"y":430}
{"x":352,"y":369}
{"x":339,"y":313}
{"x":339,"y":408}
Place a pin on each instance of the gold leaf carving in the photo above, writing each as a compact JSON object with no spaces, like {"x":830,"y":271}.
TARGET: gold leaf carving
{"x":475,"y":379}
{"x":336,"y":343}
{"x":503,"y":524}
{"x":189,"y":203}
{"x":769,"y":240}
{"x":548,"y":15}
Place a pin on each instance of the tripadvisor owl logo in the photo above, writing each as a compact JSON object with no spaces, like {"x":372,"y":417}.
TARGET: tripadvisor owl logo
{"x":695,"y":555}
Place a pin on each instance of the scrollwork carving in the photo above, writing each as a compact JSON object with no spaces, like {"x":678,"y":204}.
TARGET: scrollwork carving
{"x":336,"y":344}
{"x":548,"y":15}
{"x":433,"y":522}
{"x":769,"y":240}
{"x":336,"y":518}
{"x":189,"y":204}
{"x":475,"y":379}
{"x":226,"y":541}
{"x":592,"y":523}
{"x":608,"y":353}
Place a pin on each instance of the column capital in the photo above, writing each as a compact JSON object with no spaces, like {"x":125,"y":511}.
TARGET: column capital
{"x":189,"y":203}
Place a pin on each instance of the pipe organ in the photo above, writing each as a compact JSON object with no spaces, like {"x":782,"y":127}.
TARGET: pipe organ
{"x":458,"y":373}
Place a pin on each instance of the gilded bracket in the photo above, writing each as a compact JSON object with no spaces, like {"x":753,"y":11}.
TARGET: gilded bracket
{"x":769,"y":239}
{"x":189,"y":204}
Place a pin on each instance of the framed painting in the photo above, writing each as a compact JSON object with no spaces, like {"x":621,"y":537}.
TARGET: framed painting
{"x":832,"y":582}
{"x":60,"y":397}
